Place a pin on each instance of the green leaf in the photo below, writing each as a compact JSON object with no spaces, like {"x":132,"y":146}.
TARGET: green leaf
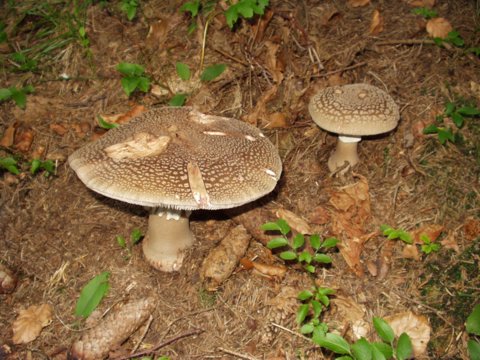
{"x":449,"y":108}
{"x":130,"y":70}
{"x":345,"y":357}
{"x":48,"y":166}
{"x":469,"y":111}
{"x":192,"y":7}
{"x":131,"y":12}
{"x":19,"y":97}
{"x":430,"y":129}
{"x":362,"y":349}
{"x":143,"y":84}
{"x":445,"y":135}
{"x":104,"y":124}
{"x":473,"y":321}
{"x":35,"y":166}
{"x":322,"y":258}
{"x":92,"y":294}
{"x":5,"y":94}
{"x":183,"y":71}
{"x":304,"y":295}
{"x":330,"y":242}
{"x":288,"y":255}
{"x":334,"y":342}
{"x":381,"y":351}
{"x":136,"y":236}
{"x":317,"y":308}
{"x":212,"y":72}
{"x":315,"y":241}
{"x":270,"y":226}
{"x":473,"y":349}
{"x":178,"y":100}
{"x":276,"y":243}
{"x":283,"y":226}
{"x":405,"y":237}
{"x":457,"y":119}
{"x":305,"y":257}
{"x":302,"y":313}
{"x":298,"y":241}
{"x":9,"y":164}
{"x":310,"y":268}
{"x":384,"y":330}
{"x":404,"y":347}
{"x":307,"y":329}
{"x":129,"y":84}
{"x":121,"y":241}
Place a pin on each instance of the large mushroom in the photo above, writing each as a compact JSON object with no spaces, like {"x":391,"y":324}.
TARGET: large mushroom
{"x":175,"y":160}
{"x":352,"y":111}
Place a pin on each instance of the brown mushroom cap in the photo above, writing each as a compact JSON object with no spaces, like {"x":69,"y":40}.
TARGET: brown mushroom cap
{"x":182,"y":159}
{"x":354,"y":110}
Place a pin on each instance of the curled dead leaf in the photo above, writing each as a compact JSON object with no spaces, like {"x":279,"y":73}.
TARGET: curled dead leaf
{"x":376,"y":25}
{"x":438,"y":27}
{"x":274,"y":66}
{"x":351,"y":249}
{"x":295,"y":221}
{"x":421,"y":3}
{"x":277,"y":120}
{"x":30,"y":322}
{"x":8,"y":280}
{"x":411,"y":252}
{"x":450,"y":242}
{"x":416,"y":326}
{"x":358,"y":3}
{"x":124,"y":117}
{"x":38,"y":152}
{"x":23,"y":139}
{"x":8,"y":136}
{"x":433,"y":231}
{"x":222,"y":260}
{"x":59,"y":128}
{"x":277,"y":271}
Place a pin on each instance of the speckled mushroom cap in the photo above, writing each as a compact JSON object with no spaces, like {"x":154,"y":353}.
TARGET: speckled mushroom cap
{"x":354,"y":110}
{"x":182,"y":159}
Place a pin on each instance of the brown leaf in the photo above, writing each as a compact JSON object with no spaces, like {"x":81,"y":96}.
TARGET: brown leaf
{"x":450,"y":242}
{"x":59,"y":128}
{"x":295,"y":221}
{"x":417,"y":328}
{"x":351,"y":249}
{"x":352,"y":313}
{"x":471,"y":228}
{"x":438,"y":27}
{"x":421,"y":3}
{"x":270,"y":270}
{"x":411,"y":252}
{"x":259,"y":28}
{"x":23,"y":139}
{"x":259,"y":112}
{"x":30,"y":322}
{"x":8,"y":280}
{"x":319,"y":216}
{"x":385,"y":259}
{"x":433,"y":231}
{"x":38,"y":152}
{"x":277,"y":120}
{"x":8,"y":136}
{"x":274,"y":66}
{"x":376,"y":25}
{"x":222,"y":260}
{"x":246,"y":263}
{"x":358,"y":3}
{"x":124,"y":117}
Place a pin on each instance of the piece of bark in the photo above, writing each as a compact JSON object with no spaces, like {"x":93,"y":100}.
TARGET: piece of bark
{"x":8,"y":280}
{"x":222,"y":260}
{"x":117,"y":326}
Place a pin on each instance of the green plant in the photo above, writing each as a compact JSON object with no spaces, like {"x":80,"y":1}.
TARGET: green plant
{"x":92,"y":294}
{"x":473,"y":329}
{"x":22,"y":62}
{"x":457,"y":113}
{"x":296,"y":246}
{"x":453,"y":38}
{"x":37,"y":165}
{"x":16,"y":94}
{"x":133,"y":77}
{"x":246,"y":9}
{"x":393,"y":234}
{"x":9,"y":164}
{"x":135,"y":236}
{"x":428,"y":246}
{"x":314,"y":302}
{"x":129,"y":7}
{"x":425,"y":12}
{"x":183,"y":71}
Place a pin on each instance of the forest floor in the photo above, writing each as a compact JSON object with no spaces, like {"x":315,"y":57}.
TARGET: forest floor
{"x":56,"y":234}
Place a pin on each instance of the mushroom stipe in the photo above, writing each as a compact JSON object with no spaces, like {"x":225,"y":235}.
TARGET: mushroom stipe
{"x":175,"y":160}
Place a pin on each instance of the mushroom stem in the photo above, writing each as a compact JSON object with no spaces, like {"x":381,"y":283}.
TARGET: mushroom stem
{"x":167,"y":238}
{"x":346,"y":151}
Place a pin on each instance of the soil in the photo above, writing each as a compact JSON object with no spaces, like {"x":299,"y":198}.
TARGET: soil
{"x":56,"y":234}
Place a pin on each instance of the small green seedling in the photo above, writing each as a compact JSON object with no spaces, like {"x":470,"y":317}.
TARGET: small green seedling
{"x":393,"y":234}
{"x":458,"y":113}
{"x":362,"y":349}
{"x":428,"y":246}
{"x":92,"y":294}
{"x":37,"y":165}
{"x":135,"y":236}
{"x":183,"y":71}
{"x":17,"y":95}
{"x":314,"y":302}
{"x":9,"y":164}
{"x":426,"y":13}
{"x":473,"y":329}
{"x":129,"y":8}
{"x":295,"y":246}
{"x":82,"y":37}
{"x":22,"y":62}
{"x":133,"y":78}
{"x":105,"y":124}
{"x":453,"y":38}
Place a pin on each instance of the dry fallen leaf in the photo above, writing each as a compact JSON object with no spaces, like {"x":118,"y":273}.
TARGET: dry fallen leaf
{"x":376,"y":25}
{"x":8,"y":280}
{"x":8,"y":136}
{"x":411,"y":252}
{"x":274,"y":66}
{"x":124,"y":117}
{"x":23,"y":139}
{"x":351,"y":249}
{"x":277,"y":120}
{"x":421,"y":3}
{"x":438,"y":27}
{"x":38,"y":152}
{"x":358,"y":3}
{"x":259,"y":28}
{"x":59,"y":128}
{"x":433,"y":231}
{"x":295,"y":221}
{"x":259,"y":112}
{"x":450,"y":242}
{"x":319,"y":216}
{"x":348,"y":311}
{"x":222,"y":260}
{"x":30,"y":322}
{"x":277,"y":271}
{"x":416,"y":326}
{"x":471,"y":228}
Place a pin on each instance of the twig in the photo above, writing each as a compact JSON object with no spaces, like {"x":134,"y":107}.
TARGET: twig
{"x":351,"y":67}
{"x":161,"y":345}
{"x":231,"y":57}
{"x":291,"y":331}
{"x":234,"y":353}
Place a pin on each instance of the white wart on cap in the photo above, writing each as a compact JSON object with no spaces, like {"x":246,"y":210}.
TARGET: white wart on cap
{"x":175,"y":159}
{"x":352,"y":111}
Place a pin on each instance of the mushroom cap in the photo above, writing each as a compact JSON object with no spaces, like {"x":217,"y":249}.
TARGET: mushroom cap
{"x":354,"y":110}
{"x":182,"y":159}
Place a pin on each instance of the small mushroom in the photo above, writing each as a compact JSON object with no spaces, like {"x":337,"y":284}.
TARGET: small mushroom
{"x":352,"y":111}
{"x":175,"y":160}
